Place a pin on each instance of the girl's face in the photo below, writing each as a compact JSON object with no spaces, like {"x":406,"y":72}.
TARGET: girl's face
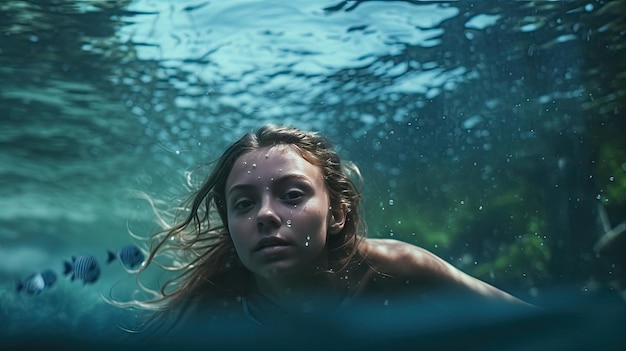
{"x":278,"y":212}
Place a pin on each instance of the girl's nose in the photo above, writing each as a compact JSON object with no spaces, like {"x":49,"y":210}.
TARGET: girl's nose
{"x":266,"y":217}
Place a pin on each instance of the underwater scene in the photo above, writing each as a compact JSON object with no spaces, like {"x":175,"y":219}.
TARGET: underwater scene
{"x":490,"y":133}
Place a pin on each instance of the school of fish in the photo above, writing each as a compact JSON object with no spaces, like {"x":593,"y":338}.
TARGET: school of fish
{"x":82,"y":267}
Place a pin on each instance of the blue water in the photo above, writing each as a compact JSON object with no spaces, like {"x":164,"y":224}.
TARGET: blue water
{"x":481,"y":129}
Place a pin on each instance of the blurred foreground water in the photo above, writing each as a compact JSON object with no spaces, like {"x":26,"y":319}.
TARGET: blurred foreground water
{"x":568,"y":324}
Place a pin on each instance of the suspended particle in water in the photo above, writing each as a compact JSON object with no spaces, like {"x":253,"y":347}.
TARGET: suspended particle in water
{"x":289,"y":223}
{"x":308,"y":239}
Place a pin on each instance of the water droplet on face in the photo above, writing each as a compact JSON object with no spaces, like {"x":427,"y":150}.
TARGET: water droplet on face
{"x":289,"y":223}
{"x":267,"y":156}
{"x":254,"y":165}
{"x":249,"y":172}
{"x":245,"y":163}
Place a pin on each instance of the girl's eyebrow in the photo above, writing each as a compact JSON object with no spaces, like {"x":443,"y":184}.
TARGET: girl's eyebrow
{"x":282,"y":179}
{"x":238,"y":187}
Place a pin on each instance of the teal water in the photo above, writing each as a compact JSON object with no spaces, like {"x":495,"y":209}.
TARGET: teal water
{"x":487,"y":132}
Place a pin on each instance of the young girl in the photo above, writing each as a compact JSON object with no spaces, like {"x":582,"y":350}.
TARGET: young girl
{"x":275,"y":234}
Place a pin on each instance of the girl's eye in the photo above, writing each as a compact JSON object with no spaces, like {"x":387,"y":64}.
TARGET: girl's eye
{"x":292,"y":195}
{"x":242,"y":204}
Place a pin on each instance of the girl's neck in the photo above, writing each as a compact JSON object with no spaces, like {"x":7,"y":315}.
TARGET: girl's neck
{"x":301,"y":293}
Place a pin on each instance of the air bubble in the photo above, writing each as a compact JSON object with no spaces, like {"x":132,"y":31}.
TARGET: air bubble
{"x":289,"y":223}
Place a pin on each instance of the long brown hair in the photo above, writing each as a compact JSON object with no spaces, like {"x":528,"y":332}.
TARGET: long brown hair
{"x":199,"y":239}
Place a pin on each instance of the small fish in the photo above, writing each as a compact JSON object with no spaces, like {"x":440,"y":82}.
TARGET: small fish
{"x":130,"y":255}
{"x":83,"y":267}
{"x":37,"y":282}
{"x":49,"y":277}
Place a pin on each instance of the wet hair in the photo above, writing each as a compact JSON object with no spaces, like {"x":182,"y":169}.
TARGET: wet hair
{"x":199,"y":245}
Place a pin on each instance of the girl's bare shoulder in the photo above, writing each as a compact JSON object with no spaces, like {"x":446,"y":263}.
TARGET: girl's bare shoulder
{"x":406,"y":261}
{"x":398,"y":258}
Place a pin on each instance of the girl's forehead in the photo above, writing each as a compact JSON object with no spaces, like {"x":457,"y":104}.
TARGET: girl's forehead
{"x":272,"y":153}
{"x":280,"y":158}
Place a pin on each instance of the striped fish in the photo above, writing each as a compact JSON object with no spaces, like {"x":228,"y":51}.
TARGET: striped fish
{"x":49,"y":277}
{"x":130,"y":255}
{"x":84,"y":267}
{"x":33,"y":285}
{"x":37,"y":282}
